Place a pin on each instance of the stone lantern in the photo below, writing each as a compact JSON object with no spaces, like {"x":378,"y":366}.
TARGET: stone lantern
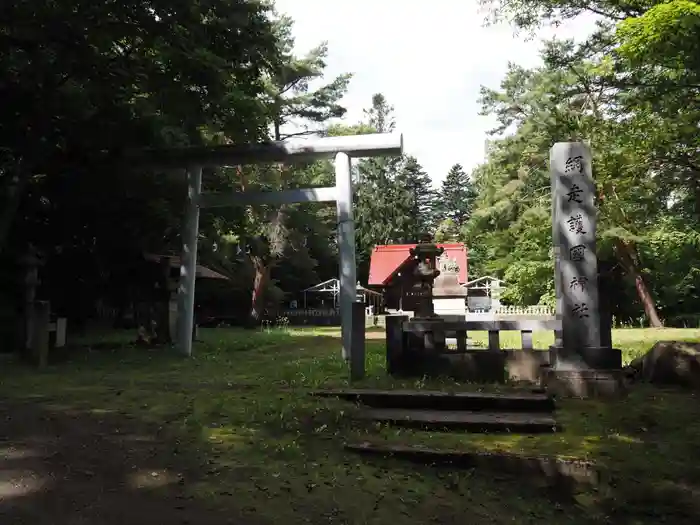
{"x":426,"y":253}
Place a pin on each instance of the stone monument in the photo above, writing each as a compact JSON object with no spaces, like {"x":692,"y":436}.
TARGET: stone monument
{"x":582,"y":353}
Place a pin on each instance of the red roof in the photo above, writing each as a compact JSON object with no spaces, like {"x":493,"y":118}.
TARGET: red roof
{"x":388,"y":259}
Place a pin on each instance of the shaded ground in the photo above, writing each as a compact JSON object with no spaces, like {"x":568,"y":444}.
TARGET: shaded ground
{"x":127,"y":435}
{"x":61,"y":467}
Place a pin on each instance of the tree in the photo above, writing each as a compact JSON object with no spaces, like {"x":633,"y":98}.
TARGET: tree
{"x":83,"y":83}
{"x":456,"y":197}
{"x":290,"y":101}
{"x":641,"y":81}
{"x":270,"y":230}
{"x":374,"y":207}
{"x":394,"y":200}
{"x":554,"y":103}
{"x":414,"y":201}
{"x":447,"y":231}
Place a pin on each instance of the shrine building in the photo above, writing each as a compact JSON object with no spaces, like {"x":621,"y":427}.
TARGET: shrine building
{"x":392,"y":270}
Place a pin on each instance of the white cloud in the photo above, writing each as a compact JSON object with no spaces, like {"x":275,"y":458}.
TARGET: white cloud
{"x":428,"y":58}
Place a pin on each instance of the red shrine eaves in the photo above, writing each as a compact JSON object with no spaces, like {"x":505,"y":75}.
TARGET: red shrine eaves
{"x":386,"y":260}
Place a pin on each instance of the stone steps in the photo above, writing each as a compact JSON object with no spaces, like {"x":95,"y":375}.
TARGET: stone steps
{"x":525,"y":400}
{"x":446,"y":420}
{"x":557,"y":472}
{"x":517,"y":411}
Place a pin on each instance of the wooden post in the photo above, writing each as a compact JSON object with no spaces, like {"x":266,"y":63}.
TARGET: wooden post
{"x":494,"y":340}
{"x":357,"y":358}
{"x":40,"y":335}
{"x":61,"y":327}
{"x":394,"y":342}
{"x":31,"y":263}
{"x":346,"y":251}
{"x":461,"y":340}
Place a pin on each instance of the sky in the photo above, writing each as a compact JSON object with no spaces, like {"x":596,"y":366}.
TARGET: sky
{"x":429,"y":59}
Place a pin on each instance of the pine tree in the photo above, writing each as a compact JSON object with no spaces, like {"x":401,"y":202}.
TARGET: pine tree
{"x":290,"y":100}
{"x":456,"y":197}
{"x":415,"y":200}
{"x":394,"y":200}
{"x":375,"y":215}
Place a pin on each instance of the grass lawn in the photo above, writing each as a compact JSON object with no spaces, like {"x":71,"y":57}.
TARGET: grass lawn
{"x":239,"y":409}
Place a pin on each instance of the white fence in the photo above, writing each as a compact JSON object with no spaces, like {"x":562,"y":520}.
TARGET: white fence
{"x":535,"y":310}
{"x":501,"y":312}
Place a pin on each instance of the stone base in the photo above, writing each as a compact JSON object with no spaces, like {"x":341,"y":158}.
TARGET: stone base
{"x":525,"y":366}
{"x":587,"y":358}
{"x":585,"y":383}
{"x":481,"y":366}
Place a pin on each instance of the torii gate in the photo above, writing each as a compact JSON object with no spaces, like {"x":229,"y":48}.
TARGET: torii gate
{"x":343,"y":148}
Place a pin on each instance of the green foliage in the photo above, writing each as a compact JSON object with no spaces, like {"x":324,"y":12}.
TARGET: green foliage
{"x":665,"y":34}
{"x":290,"y":99}
{"x":447,"y":231}
{"x":81,"y":83}
{"x":414,"y":201}
{"x":630,"y":92}
{"x":240,"y":408}
{"x":394,"y":199}
{"x":455,"y":199}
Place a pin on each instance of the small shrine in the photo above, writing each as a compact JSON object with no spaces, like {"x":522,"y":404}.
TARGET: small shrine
{"x":392,"y":271}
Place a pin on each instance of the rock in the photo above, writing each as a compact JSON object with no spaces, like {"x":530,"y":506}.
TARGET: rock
{"x":670,"y":363}
{"x":637,"y":364}
{"x":633,"y":372}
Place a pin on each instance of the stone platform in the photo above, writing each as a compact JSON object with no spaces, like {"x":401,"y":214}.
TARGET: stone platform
{"x":584,"y":372}
{"x":585,"y":383}
{"x":514,"y":411}
{"x":480,"y":365}
{"x":530,"y":367}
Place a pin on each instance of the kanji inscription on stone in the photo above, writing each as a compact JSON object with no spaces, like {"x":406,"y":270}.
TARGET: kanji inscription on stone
{"x":574,"y":164}
{"x":573,"y":232}
{"x":579,"y":283}
{"x":577,"y":253}
{"x":575,"y":223}
{"x":575,"y":194}
{"x":580,"y":310}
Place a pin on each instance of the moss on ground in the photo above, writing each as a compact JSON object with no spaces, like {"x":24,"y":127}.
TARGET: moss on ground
{"x":240,"y":406}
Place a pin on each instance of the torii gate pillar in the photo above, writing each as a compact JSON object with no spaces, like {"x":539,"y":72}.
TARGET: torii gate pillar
{"x":343,"y":149}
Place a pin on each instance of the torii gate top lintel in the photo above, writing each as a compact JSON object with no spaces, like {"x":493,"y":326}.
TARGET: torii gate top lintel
{"x":355,"y":146}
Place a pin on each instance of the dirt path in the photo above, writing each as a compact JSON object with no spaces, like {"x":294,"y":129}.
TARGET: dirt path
{"x":75,"y":468}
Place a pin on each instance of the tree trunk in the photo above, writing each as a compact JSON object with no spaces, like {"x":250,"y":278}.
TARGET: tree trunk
{"x":262,"y":276}
{"x":275,"y":247}
{"x":17,"y":187}
{"x":626,"y":253}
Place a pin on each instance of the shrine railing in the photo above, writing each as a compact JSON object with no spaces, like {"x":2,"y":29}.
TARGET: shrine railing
{"x":459,"y":329}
